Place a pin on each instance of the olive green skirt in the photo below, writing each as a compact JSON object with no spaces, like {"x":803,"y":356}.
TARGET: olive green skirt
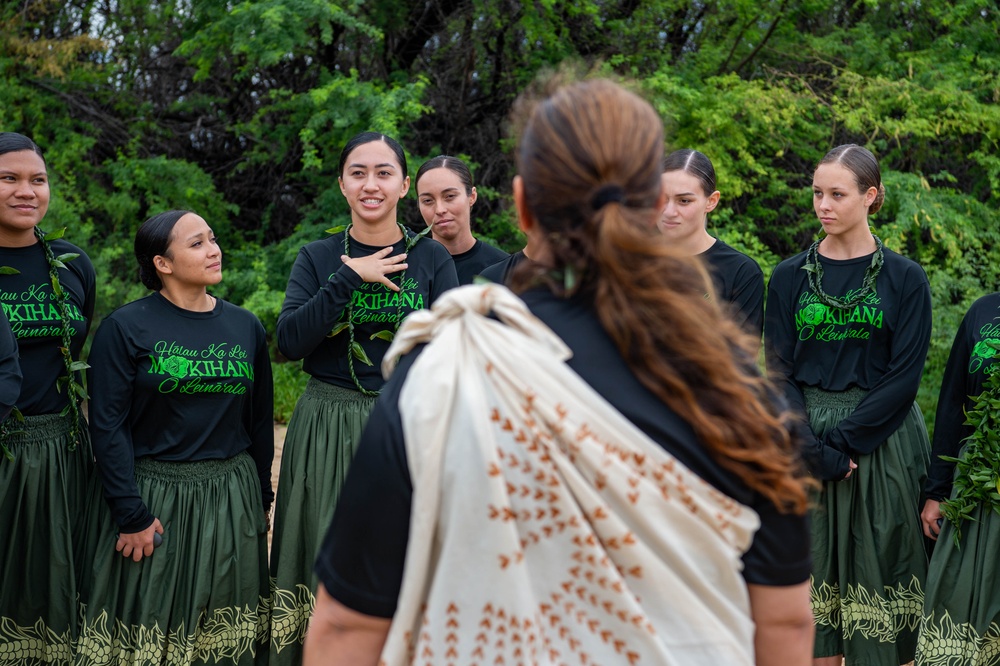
{"x":42,"y":493}
{"x":961,"y":617}
{"x":869,"y":560}
{"x":322,"y":437}
{"x":202,"y":597}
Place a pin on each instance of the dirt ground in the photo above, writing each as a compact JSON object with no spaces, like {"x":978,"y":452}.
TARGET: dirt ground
{"x":279,"y":443}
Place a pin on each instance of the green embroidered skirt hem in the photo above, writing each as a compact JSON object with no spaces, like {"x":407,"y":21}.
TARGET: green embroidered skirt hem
{"x":961,"y":618}
{"x":320,"y":442}
{"x":869,"y":560}
{"x":42,"y":493}
{"x":202,"y":597}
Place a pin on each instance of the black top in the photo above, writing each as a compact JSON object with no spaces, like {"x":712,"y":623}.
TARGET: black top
{"x":177,"y":385}
{"x":738,"y":280}
{"x":321,"y":287}
{"x":361,"y":560}
{"x":970,"y":363}
{"x":471,"y":263}
{"x":10,"y":369}
{"x":499,"y":273}
{"x":34,"y":318}
{"x":878,"y":345}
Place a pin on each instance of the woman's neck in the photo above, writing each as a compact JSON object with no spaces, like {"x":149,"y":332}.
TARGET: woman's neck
{"x":195,"y":299}
{"x":20,"y":238}
{"x":697,"y":244}
{"x":848,"y":246}
{"x":382,"y":234}
{"x":457,"y":245}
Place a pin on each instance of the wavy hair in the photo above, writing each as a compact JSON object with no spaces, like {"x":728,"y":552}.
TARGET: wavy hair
{"x":590,"y":158}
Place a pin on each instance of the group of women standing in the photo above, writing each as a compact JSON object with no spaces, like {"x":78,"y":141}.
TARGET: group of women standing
{"x":846,"y":330}
{"x":162,"y":555}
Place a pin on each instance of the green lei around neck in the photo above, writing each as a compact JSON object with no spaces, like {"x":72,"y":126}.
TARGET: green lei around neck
{"x":356,"y":350}
{"x":977,"y":471}
{"x":76,"y":392}
{"x":815,"y":270}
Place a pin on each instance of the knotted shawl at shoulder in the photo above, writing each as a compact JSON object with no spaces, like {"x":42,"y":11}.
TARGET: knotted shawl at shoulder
{"x":546,"y":528}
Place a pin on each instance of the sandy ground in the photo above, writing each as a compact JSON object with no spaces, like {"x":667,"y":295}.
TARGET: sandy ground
{"x":279,"y":443}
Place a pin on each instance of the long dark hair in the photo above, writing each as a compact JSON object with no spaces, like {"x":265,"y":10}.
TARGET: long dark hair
{"x":368,"y":137}
{"x":153,"y":239}
{"x":12,"y":142}
{"x":453,"y":164}
{"x":590,"y":158}
{"x":695,"y":163}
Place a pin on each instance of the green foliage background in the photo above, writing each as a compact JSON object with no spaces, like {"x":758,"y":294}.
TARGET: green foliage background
{"x":238,"y":110}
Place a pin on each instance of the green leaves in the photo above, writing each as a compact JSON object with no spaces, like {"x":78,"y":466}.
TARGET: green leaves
{"x":338,"y":328}
{"x":977,"y":470}
{"x":358,"y":352}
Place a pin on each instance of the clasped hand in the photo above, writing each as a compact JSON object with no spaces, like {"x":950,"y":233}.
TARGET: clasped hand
{"x":138,"y":544}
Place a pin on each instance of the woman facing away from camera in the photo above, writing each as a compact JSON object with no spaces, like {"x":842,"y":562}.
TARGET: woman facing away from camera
{"x":846,"y":329}
{"x":446,"y":197}
{"x":346,"y":296}
{"x":175,"y":555}
{"x":47,"y":292}
{"x":689,"y":186}
{"x":593,"y":474}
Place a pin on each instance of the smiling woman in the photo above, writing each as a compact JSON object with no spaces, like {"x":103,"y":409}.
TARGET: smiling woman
{"x":181,"y":420}
{"x":346,"y":296}
{"x":47,"y":290}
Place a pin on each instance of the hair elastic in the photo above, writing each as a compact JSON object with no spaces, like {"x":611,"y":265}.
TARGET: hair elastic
{"x":606,"y":194}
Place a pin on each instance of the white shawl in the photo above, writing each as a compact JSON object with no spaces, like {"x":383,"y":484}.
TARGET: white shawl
{"x":546,"y":528}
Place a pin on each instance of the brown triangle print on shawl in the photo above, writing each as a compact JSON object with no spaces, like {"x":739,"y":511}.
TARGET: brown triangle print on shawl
{"x":546,"y":528}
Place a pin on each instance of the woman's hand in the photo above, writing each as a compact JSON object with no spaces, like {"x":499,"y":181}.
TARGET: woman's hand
{"x":138,"y":544}
{"x":850,"y":470}
{"x":375,"y":267}
{"x":930,"y":517}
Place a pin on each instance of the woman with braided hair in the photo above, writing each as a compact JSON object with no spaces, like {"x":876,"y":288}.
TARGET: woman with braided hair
{"x":593,"y":473}
{"x":47,"y":293}
{"x":846,"y":330}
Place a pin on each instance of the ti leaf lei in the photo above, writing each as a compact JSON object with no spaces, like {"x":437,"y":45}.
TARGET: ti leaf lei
{"x":815,"y":270}
{"x":977,"y":471}
{"x":76,"y":391}
{"x":356,"y":350}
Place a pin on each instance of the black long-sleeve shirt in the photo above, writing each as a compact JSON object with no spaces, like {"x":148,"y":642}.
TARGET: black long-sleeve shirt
{"x":971,"y":362}
{"x":471,"y":263}
{"x":34,"y":317}
{"x":177,"y":385}
{"x":738,"y":282}
{"x":879,"y":345}
{"x":320,"y":289}
{"x":10,"y":368}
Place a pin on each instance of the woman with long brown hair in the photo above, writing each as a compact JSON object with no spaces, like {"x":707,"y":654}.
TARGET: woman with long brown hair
{"x":594,"y":475}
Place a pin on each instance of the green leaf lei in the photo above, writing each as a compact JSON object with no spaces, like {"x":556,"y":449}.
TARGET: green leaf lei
{"x":977,"y":471}
{"x":76,"y":392}
{"x":815,"y":270}
{"x":356,"y":350}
